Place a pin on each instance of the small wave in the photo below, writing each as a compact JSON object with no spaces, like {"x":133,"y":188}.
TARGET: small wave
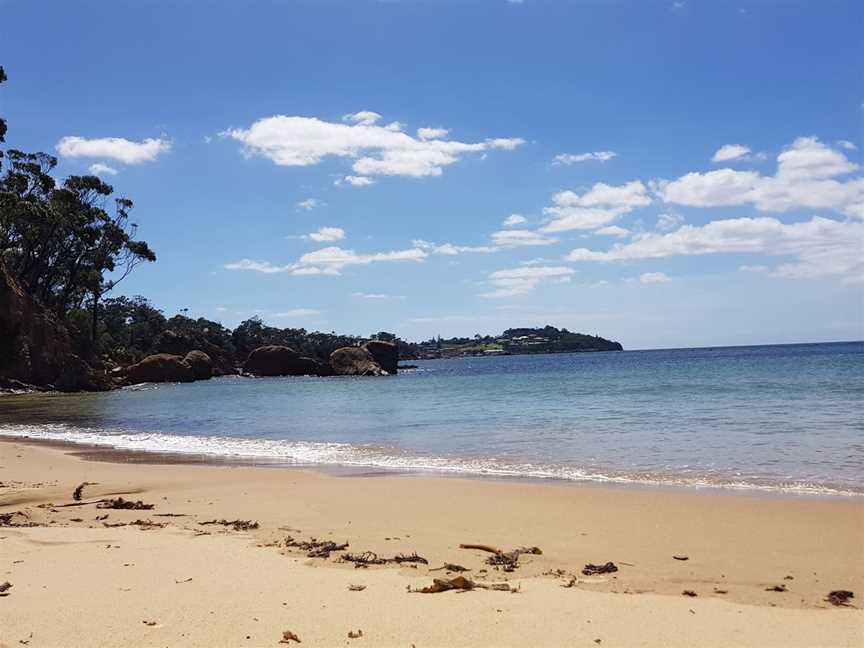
{"x":310,"y":453}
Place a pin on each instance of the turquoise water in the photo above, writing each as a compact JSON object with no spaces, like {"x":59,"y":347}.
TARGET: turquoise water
{"x":786,"y":418}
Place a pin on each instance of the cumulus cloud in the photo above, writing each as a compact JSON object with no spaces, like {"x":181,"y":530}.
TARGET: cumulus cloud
{"x":805,"y":178}
{"x":513,"y":220}
{"x":113,"y":148}
{"x":654,"y":278}
{"x":309,"y":204}
{"x":572,"y":158}
{"x":846,"y":144}
{"x":355,"y":181}
{"x":521,"y":281}
{"x":99,"y":169}
{"x":669,"y":221}
{"x":327,"y":234}
{"x":375,"y":150}
{"x":730,"y":152}
{"x":613,"y":230}
{"x":449,"y":249}
{"x":598,"y":207}
{"x":521,"y":238}
{"x":822,"y":247}
{"x":327,"y":261}
{"x":432,"y":133}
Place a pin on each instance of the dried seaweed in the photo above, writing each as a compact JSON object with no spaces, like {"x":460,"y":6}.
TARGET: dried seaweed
{"x":356,"y":588}
{"x":508,"y":561}
{"x":120,"y":503}
{"x":76,"y":494}
{"x":776,"y":588}
{"x":451,"y":567}
{"x":288,"y":637}
{"x":364,"y":559}
{"x":840,"y":597}
{"x":236,"y":525}
{"x":607,"y":568}
{"x":315,"y":548}
{"x":689,"y":593}
{"x":355,"y":635}
{"x":17,"y":519}
{"x":410,"y":558}
{"x":4,"y":588}
{"x":460,"y":583}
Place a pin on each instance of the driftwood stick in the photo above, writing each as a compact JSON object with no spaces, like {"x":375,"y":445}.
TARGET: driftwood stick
{"x":481,"y":547}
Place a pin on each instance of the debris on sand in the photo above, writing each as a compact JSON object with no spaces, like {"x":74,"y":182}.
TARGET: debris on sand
{"x":776,"y":588}
{"x":681,"y":557}
{"x":148,"y":622}
{"x":451,"y":567}
{"x":840,"y":597}
{"x":591,"y":569}
{"x":120,"y":503}
{"x":690,"y":593}
{"x":460,"y":583}
{"x":410,"y":558}
{"x":315,"y":548}
{"x":236,"y":525}
{"x":146,"y":525}
{"x":356,"y":588}
{"x":508,"y":561}
{"x":4,"y":588}
{"x":17,"y":519}
{"x":355,"y":635}
{"x":364,"y":559}
{"x":288,"y":637}
{"x":76,"y":494}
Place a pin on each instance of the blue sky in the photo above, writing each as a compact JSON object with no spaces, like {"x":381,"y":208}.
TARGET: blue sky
{"x":681,"y":173}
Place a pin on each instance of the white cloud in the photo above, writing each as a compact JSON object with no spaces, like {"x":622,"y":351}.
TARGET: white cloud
{"x":520,"y":281}
{"x":753,"y":268}
{"x":376,"y":296}
{"x":327,"y":261}
{"x":513,"y":220}
{"x":432,"y":133}
{"x":846,"y":144}
{"x":654,"y":277}
{"x":448,"y":249}
{"x":99,"y":169}
{"x":729,"y":152}
{"x":221,"y":309}
{"x":362,"y":118}
{"x":669,"y":221}
{"x":596,"y":208}
{"x":572,"y":158}
{"x":805,"y":178}
{"x":822,"y":247}
{"x":113,"y":148}
{"x":298,"y":312}
{"x":327,"y":234}
{"x":613,"y":230}
{"x":520,"y":238}
{"x":376,"y":150}
{"x":309,"y":204}
{"x":355,"y":181}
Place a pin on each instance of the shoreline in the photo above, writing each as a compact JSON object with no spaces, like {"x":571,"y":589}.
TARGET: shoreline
{"x":737,"y":548}
{"x":112,"y":454}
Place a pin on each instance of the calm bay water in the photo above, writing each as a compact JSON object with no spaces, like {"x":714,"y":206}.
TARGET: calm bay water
{"x":786,"y":418}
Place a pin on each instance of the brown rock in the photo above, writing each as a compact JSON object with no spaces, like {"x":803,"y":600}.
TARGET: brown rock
{"x":355,"y":361}
{"x":277,"y":360}
{"x":202,"y":365}
{"x":386,"y":354}
{"x":161,"y":367}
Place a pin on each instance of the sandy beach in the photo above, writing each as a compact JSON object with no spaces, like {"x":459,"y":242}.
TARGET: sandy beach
{"x":82,"y":575}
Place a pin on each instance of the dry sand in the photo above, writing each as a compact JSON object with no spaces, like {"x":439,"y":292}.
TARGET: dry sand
{"x":76,"y":582}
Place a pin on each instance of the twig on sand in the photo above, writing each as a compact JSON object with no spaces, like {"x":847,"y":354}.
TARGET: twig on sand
{"x":120,"y":503}
{"x":508,"y":561}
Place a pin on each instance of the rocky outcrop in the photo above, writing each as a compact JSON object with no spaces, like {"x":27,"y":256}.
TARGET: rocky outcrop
{"x":386,"y":354}
{"x":201,"y":364}
{"x":278,"y":360}
{"x":355,"y":361}
{"x":161,"y":367}
{"x":35,"y":347}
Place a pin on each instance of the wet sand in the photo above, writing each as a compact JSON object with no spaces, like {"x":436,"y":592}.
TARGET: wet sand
{"x":77,"y":582}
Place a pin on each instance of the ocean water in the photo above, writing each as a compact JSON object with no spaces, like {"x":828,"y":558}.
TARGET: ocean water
{"x":779,"y":418}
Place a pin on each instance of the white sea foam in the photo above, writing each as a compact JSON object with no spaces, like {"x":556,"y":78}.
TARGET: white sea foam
{"x":308,"y":453}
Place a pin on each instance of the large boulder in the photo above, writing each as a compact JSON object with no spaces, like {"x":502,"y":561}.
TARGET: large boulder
{"x":275,"y":360}
{"x":161,"y":367}
{"x":386,"y":354}
{"x":354,"y":361}
{"x":202,"y":365}
{"x":172,"y":342}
